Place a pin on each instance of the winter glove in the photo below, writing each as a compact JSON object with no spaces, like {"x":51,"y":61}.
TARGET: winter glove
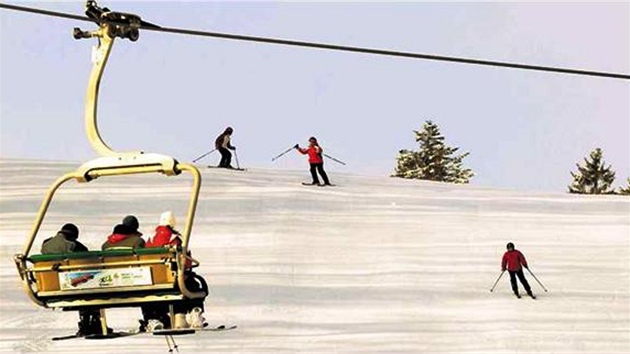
{"x":233,"y":148}
{"x":296,"y":146}
{"x":503,"y":269}
{"x":525,"y":265}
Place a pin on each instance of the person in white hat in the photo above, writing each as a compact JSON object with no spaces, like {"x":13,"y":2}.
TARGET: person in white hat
{"x":165,"y":233}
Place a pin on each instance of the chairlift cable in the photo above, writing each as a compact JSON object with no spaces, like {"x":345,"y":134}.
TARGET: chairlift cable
{"x":150,"y":27}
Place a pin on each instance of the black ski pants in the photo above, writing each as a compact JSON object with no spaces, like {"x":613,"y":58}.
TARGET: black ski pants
{"x":159,"y":311}
{"x":226,"y":157}
{"x":521,"y":277}
{"x":319,"y":167}
{"x":89,"y":321}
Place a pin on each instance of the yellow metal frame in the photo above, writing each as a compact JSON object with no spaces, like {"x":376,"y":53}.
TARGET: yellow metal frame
{"x":94,"y":169}
{"x":99,"y":58}
{"x":112,"y":163}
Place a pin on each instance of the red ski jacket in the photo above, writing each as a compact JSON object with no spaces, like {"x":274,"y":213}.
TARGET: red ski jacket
{"x":314,"y":154}
{"x":163,"y":236}
{"x":513,"y":260}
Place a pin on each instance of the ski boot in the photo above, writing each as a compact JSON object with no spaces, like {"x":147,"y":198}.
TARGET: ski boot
{"x":195,"y":318}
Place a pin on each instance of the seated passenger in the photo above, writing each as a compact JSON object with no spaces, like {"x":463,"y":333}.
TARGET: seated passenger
{"x":125,"y":235}
{"x":166,"y":235}
{"x":65,"y":242}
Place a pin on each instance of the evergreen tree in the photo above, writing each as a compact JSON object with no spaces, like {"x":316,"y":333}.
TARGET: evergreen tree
{"x":625,"y":191}
{"x":434,"y":160}
{"x":594,"y":177}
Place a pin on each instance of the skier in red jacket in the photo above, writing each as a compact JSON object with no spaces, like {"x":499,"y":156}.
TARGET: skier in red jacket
{"x":514,"y":261}
{"x":315,"y":152}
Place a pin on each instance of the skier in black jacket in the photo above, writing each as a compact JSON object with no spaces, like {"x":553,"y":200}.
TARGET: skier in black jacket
{"x":222,"y":143}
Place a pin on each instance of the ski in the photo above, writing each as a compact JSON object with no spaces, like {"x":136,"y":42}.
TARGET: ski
{"x":220,"y":328}
{"x":184,"y":331}
{"x":95,"y":336}
{"x":173,"y":332}
{"x":111,"y":335}
{"x":233,"y":169}
{"x":70,"y":336}
{"x":318,"y":184}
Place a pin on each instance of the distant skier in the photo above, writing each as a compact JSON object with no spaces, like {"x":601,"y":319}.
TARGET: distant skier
{"x":66,"y":242}
{"x":316,"y":160}
{"x":514,"y":261}
{"x":222,"y":143}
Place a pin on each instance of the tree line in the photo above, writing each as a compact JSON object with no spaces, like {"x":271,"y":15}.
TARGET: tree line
{"x":436,"y":161}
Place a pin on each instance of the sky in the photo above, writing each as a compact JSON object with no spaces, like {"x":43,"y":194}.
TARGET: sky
{"x":174,"y":94}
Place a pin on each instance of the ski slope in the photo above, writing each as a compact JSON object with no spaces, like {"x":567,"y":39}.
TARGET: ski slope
{"x":375,"y":264}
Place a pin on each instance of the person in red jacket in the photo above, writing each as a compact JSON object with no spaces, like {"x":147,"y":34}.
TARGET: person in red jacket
{"x":166,"y":235}
{"x":316,"y":160}
{"x":514,"y":261}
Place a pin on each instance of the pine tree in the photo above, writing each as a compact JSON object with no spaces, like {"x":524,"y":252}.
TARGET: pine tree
{"x":434,"y":160}
{"x":625,"y":191}
{"x":594,"y":177}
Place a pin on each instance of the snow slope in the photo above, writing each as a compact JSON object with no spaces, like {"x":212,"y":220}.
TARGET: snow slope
{"x":373,"y":265}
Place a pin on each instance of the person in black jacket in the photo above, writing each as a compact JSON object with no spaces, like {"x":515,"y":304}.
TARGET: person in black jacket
{"x":222,"y":143}
{"x":66,"y":242}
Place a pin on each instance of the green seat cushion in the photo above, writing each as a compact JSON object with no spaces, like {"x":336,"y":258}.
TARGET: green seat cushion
{"x":94,"y":254}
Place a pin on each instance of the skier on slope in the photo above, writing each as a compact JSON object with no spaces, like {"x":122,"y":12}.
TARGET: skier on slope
{"x":514,"y":261}
{"x":315,"y":159}
{"x":222,"y":143}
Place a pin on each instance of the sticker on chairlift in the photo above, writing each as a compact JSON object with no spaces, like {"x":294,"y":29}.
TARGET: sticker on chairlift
{"x":105,"y":278}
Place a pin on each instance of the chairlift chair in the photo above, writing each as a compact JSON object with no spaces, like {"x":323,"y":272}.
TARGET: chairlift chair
{"x":116,"y":277}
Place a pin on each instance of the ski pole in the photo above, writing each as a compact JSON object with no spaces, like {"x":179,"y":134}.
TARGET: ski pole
{"x":530,"y":272}
{"x":495,"y":283}
{"x":284,"y":153}
{"x":170,"y":350}
{"x":204,"y":155}
{"x":236,"y":158}
{"x":334,"y":159}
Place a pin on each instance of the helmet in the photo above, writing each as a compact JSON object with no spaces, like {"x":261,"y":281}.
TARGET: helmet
{"x":71,"y":231}
{"x":131,"y":222}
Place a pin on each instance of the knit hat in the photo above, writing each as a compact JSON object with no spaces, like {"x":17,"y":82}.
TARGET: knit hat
{"x":131,"y":222}
{"x":71,"y":231}
{"x":510,"y":245}
{"x":167,"y":219}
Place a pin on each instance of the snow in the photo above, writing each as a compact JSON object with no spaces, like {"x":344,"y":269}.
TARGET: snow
{"x":375,"y":264}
